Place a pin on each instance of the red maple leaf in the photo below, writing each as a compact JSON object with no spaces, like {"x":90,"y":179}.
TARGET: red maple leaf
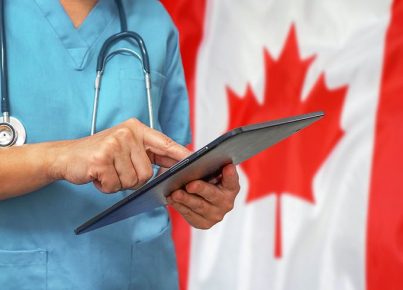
{"x":288,"y":167}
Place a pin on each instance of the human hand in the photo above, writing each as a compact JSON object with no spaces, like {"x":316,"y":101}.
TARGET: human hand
{"x":117,"y":158}
{"x":203,"y":204}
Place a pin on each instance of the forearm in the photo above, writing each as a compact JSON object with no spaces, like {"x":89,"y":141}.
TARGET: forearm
{"x":25,"y":169}
{"x":117,"y":158}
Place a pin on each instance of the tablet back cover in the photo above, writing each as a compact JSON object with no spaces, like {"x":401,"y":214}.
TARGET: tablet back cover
{"x":234,"y":147}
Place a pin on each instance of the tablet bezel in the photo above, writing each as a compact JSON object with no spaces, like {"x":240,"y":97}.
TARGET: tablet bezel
{"x":181,"y":165}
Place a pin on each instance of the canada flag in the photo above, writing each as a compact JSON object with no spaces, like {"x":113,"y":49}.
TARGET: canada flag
{"x":324,"y":208}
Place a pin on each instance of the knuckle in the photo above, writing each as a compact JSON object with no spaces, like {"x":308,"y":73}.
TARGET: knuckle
{"x":181,"y":196}
{"x":125,"y":185}
{"x":107,"y":189}
{"x":99,"y":158}
{"x":218,"y":218}
{"x":106,"y":151}
{"x":229,"y":206}
{"x":200,"y":206}
{"x":130,"y":180}
{"x":145,"y":174}
{"x":111,"y":188}
{"x":91,"y":174}
{"x":186,"y":212}
{"x":205,"y":226}
{"x":103,"y":190}
{"x":167,"y":142}
{"x":128,"y":186}
{"x":133,"y":123}
{"x":129,"y":183}
{"x":135,"y":180}
{"x":142,"y":178}
{"x":133,"y":183}
{"x":123,"y":133}
{"x":109,"y":185}
{"x":112,"y":143}
{"x":149,"y":172}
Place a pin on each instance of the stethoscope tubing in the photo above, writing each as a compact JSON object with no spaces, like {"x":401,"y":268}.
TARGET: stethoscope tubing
{"x":98,"y":80}
{"x":12,"y":131}
{"x":15,"y":127}
{"x":5,"y":104}
{"x":118,"y":37}
{"x":105,"y":55}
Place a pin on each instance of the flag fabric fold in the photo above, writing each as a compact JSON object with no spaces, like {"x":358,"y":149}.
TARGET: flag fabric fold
{"x":324,"y":209}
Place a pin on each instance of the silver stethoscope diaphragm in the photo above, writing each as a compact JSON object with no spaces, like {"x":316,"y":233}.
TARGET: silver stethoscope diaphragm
{"x":7,"y":135}
{"x":12,"y":133}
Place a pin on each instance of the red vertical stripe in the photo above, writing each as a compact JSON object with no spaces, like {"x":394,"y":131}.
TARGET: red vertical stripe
{"x":385,"y":220}
{"x":189,"y":18}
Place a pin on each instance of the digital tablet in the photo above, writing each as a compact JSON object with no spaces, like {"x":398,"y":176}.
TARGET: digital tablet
{"x":234,"y":147}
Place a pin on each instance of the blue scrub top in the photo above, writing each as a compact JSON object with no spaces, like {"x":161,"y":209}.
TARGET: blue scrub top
{"x":51,"y":75}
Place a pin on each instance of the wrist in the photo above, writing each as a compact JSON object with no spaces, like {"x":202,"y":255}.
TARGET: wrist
{"x":55,"y":160}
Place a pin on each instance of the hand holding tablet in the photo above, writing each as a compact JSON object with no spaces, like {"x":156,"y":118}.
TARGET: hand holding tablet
{"x":233,"y":147}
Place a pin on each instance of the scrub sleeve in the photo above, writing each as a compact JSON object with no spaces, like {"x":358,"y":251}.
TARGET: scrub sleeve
{"x":51,"y":79}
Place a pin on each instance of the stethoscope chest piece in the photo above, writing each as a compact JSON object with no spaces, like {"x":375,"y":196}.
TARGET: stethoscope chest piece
{"x":12,"y":133}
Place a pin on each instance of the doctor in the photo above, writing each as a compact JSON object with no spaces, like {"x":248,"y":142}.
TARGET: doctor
{"x":53,"y":183}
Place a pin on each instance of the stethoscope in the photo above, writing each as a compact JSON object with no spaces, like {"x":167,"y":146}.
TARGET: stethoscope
{"x":12,"y":131}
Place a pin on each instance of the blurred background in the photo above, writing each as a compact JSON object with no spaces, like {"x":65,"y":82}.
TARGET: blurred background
{"x":324,"y":209}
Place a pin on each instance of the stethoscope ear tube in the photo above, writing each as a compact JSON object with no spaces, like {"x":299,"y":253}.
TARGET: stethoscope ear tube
{"x":103,"y":58}
{"x":120,"y":36}
{"x":12,"y":132}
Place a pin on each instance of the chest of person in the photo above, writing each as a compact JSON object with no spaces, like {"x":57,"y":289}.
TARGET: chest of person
{"x":52,"y":71}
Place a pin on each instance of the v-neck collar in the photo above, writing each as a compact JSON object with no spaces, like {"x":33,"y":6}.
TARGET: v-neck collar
{"x":78,"y":41}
